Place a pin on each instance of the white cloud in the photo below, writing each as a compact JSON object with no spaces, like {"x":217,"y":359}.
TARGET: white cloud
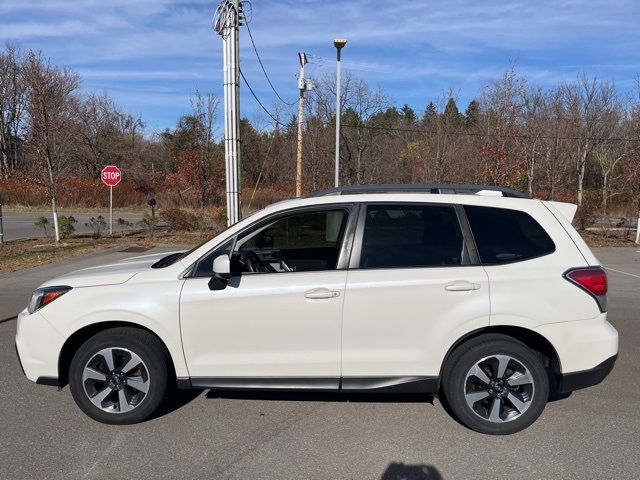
{"x":410,"y":48}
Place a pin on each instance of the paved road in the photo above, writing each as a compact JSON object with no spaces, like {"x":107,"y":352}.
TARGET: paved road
{"x":20,"y":225}
{"x":593,"y":434}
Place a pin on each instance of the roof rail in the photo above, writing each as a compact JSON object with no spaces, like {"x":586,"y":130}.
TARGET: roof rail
{"x":442,"y":188}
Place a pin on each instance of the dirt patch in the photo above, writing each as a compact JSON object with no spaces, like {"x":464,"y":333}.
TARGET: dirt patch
{"x":135,"y":249}
{"x":608,"y":239}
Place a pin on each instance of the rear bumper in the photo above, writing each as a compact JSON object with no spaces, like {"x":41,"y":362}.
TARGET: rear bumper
{"x":586,"y":378}
{"x":581,"y":345}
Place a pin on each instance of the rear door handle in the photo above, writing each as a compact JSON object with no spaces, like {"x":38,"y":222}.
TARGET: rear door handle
{"x":461,"y":286}
{"x":320,"y":293}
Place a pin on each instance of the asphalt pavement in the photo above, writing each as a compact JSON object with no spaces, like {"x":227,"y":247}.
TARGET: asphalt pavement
{"x":19,"y":225}
{"x":592,"y":434}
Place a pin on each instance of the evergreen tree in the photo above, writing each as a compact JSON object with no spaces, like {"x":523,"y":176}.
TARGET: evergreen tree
{"x":451,"y":113}
{"x":472,"y":114}
{"x":430,"y":117}
{"x":409,"y":115}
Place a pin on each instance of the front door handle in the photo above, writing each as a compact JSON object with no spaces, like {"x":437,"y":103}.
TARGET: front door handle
{"x":320,"y":293}
{"x":461,"y":286}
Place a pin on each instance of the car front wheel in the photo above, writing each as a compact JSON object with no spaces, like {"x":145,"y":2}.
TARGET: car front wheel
{"x":495,"y":384}
{"x":120,"y":375}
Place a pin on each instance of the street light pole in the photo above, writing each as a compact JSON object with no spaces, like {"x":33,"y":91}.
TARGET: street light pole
{"x":302,"y":86}
{"x":339,"y":43}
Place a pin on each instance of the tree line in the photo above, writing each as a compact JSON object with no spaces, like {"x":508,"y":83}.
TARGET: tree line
{"x":577,"y":141}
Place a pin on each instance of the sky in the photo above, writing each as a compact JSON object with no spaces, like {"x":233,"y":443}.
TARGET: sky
{"x":151,"y":55}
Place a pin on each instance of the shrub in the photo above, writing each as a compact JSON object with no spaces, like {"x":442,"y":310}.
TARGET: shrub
{"x":97,"y":224}
{"x":587,"y":212}
{"x":42,"y":222}
{"x":149,"y":223}
{"x":66,"y":225}
{"x":124,"y":224}
{"x":182,"y":220}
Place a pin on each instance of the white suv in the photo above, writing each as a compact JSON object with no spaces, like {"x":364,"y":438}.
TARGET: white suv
{"x":477,"y":294}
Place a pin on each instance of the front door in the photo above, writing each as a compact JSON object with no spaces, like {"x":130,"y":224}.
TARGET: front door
{"x":278,"y":321}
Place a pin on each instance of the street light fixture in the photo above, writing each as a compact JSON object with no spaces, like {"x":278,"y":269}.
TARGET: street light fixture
{"x":339,"y":43}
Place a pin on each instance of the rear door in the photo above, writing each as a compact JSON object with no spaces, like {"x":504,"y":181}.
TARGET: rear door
{"x":413,"y":288}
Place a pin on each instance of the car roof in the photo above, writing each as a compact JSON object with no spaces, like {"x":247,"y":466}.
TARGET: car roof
{"x":489,"y":200}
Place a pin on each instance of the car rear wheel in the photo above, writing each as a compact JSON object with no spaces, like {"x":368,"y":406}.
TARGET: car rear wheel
{"x":495,"y":384}
{"x":120,"y":375}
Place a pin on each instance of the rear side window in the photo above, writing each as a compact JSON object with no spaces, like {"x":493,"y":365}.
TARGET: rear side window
{"x":399,"y":236}
{"x":504,"y":235}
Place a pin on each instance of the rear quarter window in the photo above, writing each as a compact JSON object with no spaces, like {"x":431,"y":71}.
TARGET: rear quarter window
{"x":504,"y":236}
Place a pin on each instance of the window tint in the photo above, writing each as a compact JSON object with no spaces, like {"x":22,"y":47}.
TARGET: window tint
{"x":504,"y":235}
{"x":411,"y":236}
{"x":301,"y":242}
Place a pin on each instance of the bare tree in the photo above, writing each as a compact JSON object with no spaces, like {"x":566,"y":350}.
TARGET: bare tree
{"x":534,"y":102}
{"x":100,"y":132}
{"x":502,"y":104}
{"x":51,"y":105}
{"x":590,"y":103}
{"x":12,"y":108}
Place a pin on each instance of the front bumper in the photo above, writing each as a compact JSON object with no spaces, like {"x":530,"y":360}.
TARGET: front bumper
{"x":38,"y":345}
{"x":586,"y":378}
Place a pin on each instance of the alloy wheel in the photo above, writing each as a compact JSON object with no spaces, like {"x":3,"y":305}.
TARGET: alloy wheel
{"x":116,"y":380}
{"x":499,"y":388}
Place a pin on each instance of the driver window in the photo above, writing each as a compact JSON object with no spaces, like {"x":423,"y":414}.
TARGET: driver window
{"x":303,"y":242}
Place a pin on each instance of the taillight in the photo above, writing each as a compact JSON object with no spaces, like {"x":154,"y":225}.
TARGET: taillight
{"x":592,"y":280}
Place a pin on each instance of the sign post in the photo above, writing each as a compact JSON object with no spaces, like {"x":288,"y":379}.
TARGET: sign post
{"x":111,"y":176}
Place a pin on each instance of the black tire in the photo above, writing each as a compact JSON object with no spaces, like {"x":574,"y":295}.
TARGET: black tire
{"x":490,"y":348}
{"x":157,"y":371}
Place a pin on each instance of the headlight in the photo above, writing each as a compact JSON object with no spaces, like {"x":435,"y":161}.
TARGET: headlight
{"x":44,"y":296}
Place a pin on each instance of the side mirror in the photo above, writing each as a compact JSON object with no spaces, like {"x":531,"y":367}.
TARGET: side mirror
{"x":221,"y":273}
{"x":222,"y":266}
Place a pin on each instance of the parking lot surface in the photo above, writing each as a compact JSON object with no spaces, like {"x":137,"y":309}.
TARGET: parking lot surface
{"x":594,"y":433}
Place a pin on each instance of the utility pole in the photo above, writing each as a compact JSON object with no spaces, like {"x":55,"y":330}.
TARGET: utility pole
{"x":226,"y":23}
{"x":303,"y":86}
{"x":339,"y":43}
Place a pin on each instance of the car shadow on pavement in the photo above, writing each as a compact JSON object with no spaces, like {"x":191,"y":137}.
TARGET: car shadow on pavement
{"x":401,"y":471}
{"x":180,"y":398}
{"x":307,"y":396}
{"x":177,"y":400}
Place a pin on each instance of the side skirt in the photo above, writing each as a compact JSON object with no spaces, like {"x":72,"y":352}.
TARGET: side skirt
{"x":391,"y":384}
{"x":408,"y":384}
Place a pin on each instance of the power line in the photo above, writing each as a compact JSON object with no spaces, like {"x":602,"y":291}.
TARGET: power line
{"x":431,"y":132}
{"x":479,"y":134}
{"x":264,"y":70}
{"x":259,"y":102}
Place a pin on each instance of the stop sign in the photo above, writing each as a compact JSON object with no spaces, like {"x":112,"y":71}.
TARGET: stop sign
{"x":111,"y":175}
